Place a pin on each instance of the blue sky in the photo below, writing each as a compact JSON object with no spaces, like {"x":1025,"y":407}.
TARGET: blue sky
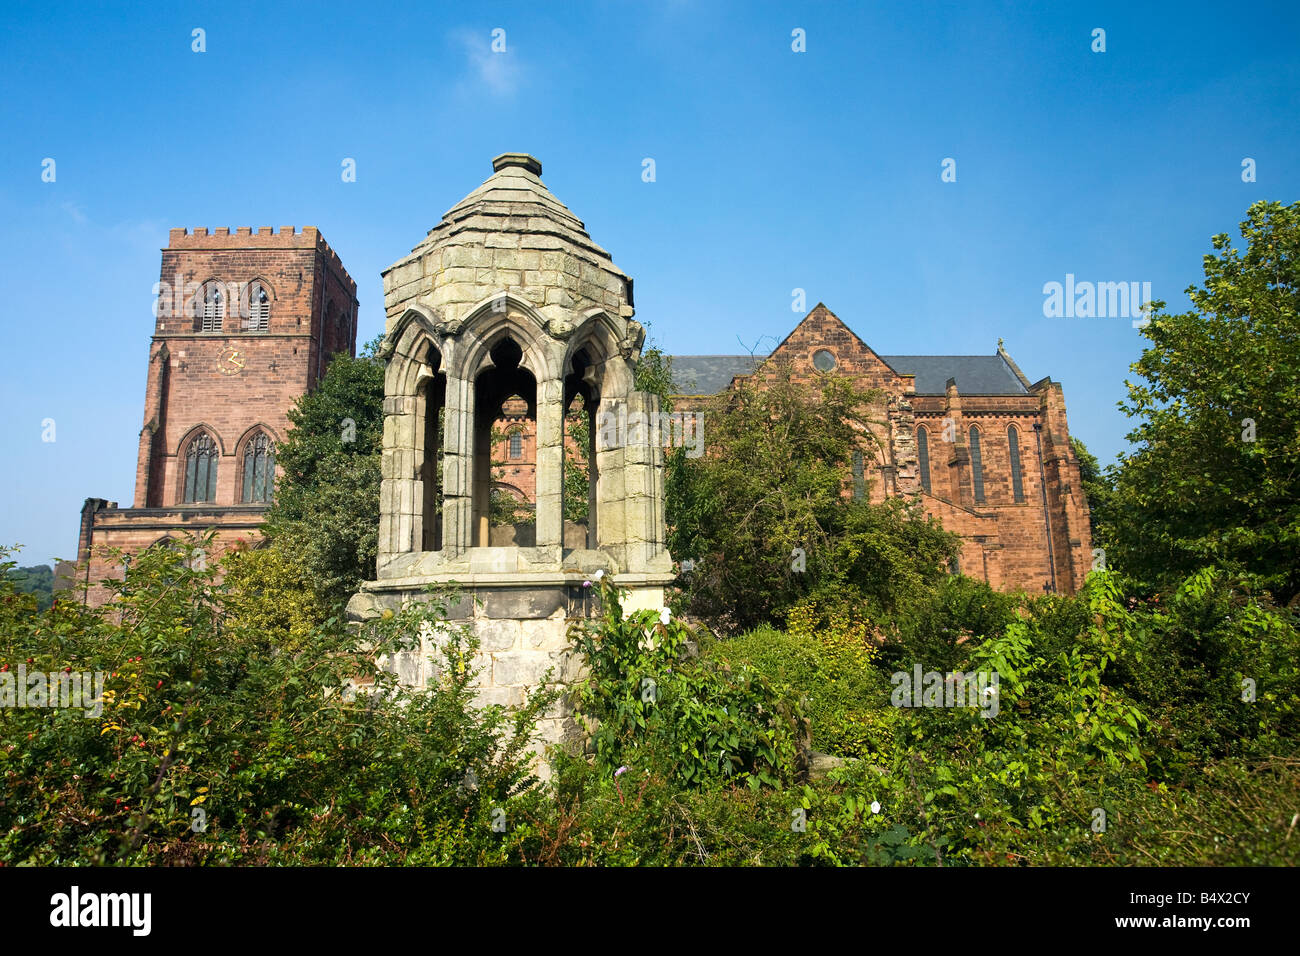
{"x":775,"y":170}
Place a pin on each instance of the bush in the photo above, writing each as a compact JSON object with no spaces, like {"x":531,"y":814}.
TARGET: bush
{"x":693,"y":720}
{"x":845,"y":697}
{"x":218,"y":745}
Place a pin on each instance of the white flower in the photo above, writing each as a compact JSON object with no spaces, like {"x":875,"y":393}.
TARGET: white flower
{"x":665,"y":616}
{"x":875,"y":806}
{"x":598,"y":575}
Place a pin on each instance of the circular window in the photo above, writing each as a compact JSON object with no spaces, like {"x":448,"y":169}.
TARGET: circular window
{"x":823,"y":360}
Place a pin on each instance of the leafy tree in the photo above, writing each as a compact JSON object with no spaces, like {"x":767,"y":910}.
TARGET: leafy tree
{"x":1215,"y":480}
{"x":654,"y":374}
{"x":766,"y":517}
{"x":1097,"y":489}
{"x":326,"y":509}
{"x":38,"y":580}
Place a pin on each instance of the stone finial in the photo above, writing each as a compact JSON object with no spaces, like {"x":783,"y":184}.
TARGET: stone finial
{"x":523,"y":160}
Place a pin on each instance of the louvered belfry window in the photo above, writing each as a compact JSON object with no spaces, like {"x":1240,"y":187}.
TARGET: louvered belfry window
{"x":214,"y":310}
{"x":259,"y":469}
{"x":259,"y":309}
{"x":201,"y":470}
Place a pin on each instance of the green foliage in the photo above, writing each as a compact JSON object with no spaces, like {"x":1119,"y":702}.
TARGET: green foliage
{"x":297,"y":755}
{"x":1215,"y":480}
{"x":577,"y":466}
{"x":693,"y":720}
{"x":38,"y":580}
{"x":654,"y":374}
{"x":1098,"y":487}
{"x":326,"y":509}
{"x":843,"y":695}
{"x":775,"y":481}
{"x":958,"y":610}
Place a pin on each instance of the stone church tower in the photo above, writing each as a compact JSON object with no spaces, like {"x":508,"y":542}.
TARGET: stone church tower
{"x":509,"y":309}
{"x":244,"y":323}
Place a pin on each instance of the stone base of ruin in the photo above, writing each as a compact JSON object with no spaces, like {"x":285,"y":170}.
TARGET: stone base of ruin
{"x":522,"y":624}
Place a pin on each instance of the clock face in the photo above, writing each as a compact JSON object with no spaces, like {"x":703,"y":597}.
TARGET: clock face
{"x":230,"y":362}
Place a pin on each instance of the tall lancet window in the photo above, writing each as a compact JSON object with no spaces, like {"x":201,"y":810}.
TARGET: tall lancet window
{"x":923,"y":456}
{"x":1017,"y":481}
{"x":201,"y":458}
{"x":259,"y":468}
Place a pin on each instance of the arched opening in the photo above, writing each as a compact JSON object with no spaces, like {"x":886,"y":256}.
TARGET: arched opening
{"x":581,"y":402}
{"x":513,"y":517}
{"x":431,"y":409}
{"x":505,"y":396}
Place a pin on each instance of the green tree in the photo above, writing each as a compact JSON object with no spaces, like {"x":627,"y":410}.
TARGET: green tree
{"x":1097,"y":489}
{"x":326,"y":510}
{"x":38,"y":580}
{"x":766,"y":515}
{"x":1216,"y":476}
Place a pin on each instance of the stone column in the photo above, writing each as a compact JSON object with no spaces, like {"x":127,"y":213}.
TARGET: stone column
{"x":457,"y":454}
{"x":640,"y":484}
{"x":397,"y":492}
{"x":550,"y":463}
{"x":611,"y":453}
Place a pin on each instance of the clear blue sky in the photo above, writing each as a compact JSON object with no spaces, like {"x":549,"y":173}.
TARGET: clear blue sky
{"x":775,"y":170}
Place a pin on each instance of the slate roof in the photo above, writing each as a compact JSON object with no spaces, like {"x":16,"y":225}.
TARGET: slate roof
{"x":975,"y":374}
{"x":710,"y":374}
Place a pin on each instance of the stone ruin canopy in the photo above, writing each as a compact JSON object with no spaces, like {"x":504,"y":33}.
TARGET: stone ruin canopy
{"x":508,"y":304}
{"x":509,"y":297}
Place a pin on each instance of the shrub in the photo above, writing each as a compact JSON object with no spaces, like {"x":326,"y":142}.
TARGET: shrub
{"x":216,"y":744}
{"x":693,"y":720}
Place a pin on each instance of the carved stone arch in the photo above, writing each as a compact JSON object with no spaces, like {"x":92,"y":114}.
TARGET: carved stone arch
{"x":494,"y":318}
{"x":414,"y":352}
{"x":253,"y":430}
{"x":415,"y":395}
{"x":599,"y":336}
{"x":190,"y":435}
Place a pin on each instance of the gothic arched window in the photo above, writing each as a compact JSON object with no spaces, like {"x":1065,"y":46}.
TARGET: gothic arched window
{"x":1017,"y":483}
{"x":259,"y":468}
{"x":923,"y":456}
{"x":859,"y":474}
{"x":976,"y":465}
{"x":259,"y":309}
{"x":212,"y":308}
{"x":201,"y":457}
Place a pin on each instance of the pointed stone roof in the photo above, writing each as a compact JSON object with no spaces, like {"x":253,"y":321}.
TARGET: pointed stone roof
{"x":514,"y":209}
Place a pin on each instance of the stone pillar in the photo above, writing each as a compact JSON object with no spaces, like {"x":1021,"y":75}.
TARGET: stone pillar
{"x":457,"y":455}
{"x":398,"y":499}
{"x":550,"y":463}
{"x":643,"y":523}
{"x":611,"y":455}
